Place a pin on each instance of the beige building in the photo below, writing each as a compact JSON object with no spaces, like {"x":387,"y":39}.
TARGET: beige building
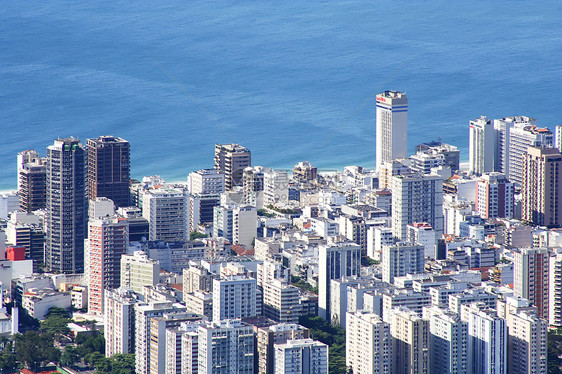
{"x":137,"y":271}
{"x":410,"y":341}
{"x":542,"y":187}
{"x":526,"y":345}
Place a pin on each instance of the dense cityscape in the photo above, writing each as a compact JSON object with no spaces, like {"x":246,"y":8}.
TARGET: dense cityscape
{"x":422,"y":265}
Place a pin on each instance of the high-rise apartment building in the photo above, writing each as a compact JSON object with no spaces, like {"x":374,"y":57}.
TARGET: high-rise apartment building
{"x":542,"y":187}
{"x":27,"y":157}
{"x":236,"y":223}
{"x":189,"y":347}
{"x":423,"y":234}
{"x":448,"y":342}
{"x":554,"y":289}
{"x":281,"y":301}
{"x":503,"y":128}
{"x":522,"y":136}
{"x":392,"y":126}
{"x":119,"y":321}
{"x":109,"y":169}
{"x":108,"y":240}
{"x":252,"y":186}
{"x":494,"y":196}
{"x":268,"y":336}
{"x":205,"y":187}
{"x":302,"y":356}
{"x":66,"y":207}
{"x":336,"y":260}
{"x":410,"y":341}
{"x":450,"y":153}
{"x":305,"y":172}
{"x":487,"y":340}
{"x":558,"y":137}
{"x":531,"y":278}
{"x":167,"y":211}
{"x":160,"y":350}
{"x":368,"y":343}
{"x":234,"y":297}
{"x":275,"y":187}
{"x":526,"y":345}
{"x":206,"y":182}
{"x":401,"y":259}
{"x":482,"y":142}
{"x":416,"y":198}
{"x":32,"y":184}
{"x":226,"y":346}
{"x":26,"y":230}
{"x":144,"y":312}
{"x":231,"y":160}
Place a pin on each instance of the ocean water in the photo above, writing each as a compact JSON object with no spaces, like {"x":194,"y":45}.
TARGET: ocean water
{"x":291,"y":80}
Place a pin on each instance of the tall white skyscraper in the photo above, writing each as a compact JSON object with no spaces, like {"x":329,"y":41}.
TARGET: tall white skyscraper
{"x":368,"y":343}
{"x":482,"y":143}
{"x":558,"y":137}
{"x":392,"y":126}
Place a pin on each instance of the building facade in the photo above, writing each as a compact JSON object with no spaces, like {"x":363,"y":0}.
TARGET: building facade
{"x":231,"y":160}
{"x":541,"y":188}
{"x":108,"y":240}
{"x":391,"y":127}
{"x":66,"y":207}
{"x":481,"y":148}
{"x":109,"y":169}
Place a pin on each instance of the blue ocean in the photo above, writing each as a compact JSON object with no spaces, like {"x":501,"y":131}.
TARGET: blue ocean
{"x":291,"y":80}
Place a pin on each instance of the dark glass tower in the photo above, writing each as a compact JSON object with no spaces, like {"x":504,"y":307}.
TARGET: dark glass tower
{"x":66,"y":207}
{"x":109,"y":169}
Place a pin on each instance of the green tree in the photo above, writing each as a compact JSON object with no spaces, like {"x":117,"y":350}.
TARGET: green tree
{"x":117,"y":364}
{"x":35,"y":350}
{"x":90,"y":343}
{"x":123,"y":364}
{"x":333,"y":336}
{"x":94,"y":358}
{"x":8,"y":363}
{"x":71,"y":356}
{"x":56,"y":325}
{"x":196,"y":235}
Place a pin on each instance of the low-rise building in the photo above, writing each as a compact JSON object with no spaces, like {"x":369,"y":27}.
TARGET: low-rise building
{"x":37,"y":302}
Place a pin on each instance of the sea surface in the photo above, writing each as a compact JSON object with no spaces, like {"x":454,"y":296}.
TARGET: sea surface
{"x":291,"y":80}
